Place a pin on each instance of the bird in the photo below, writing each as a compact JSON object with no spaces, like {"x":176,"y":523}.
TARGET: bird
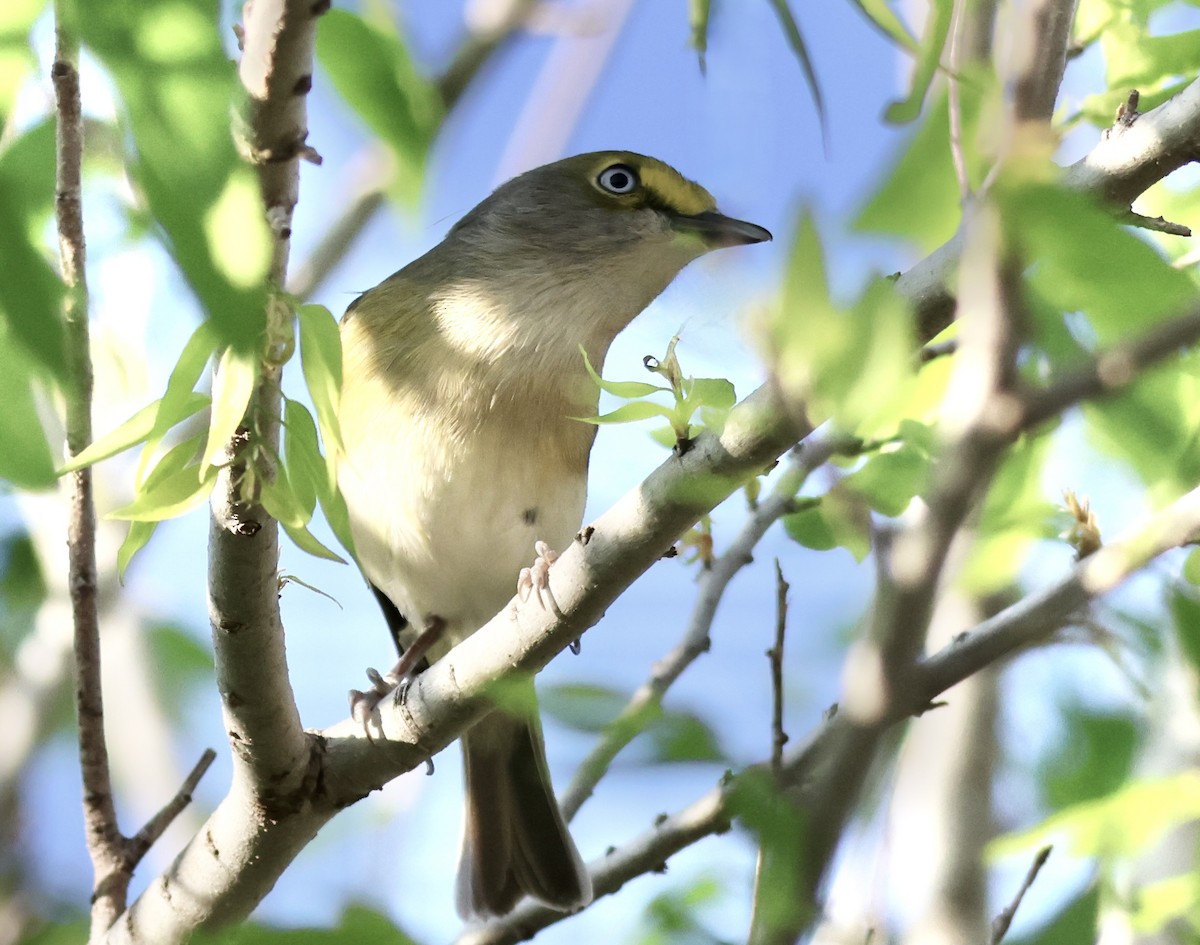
{"x":462,"y":450}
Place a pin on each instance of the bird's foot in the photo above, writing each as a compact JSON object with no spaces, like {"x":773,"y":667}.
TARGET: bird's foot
{"x":535,"y":579}
{"x":362,"y":704}
{"x":396,"y":681}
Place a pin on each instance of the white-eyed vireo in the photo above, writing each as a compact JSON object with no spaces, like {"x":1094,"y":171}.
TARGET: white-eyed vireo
{"x":462,"y":373}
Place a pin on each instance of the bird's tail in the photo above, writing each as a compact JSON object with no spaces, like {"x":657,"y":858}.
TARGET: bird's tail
{"x":515,"y":840}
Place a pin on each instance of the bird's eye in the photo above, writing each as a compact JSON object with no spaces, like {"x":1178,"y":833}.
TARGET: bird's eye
{"x":618,"y":179}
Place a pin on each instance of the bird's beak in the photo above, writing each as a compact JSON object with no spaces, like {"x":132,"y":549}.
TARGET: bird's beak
{"x":718,"y":231}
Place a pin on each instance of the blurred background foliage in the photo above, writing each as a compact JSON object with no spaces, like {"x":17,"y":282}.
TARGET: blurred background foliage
{"x":829,"y":123}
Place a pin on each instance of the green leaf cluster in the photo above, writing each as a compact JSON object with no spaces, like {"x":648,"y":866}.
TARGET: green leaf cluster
{"x":32,"y":356}
{"x":1090,"y":283}
{"x":1136,"y":54}
{"x":844,"y":364}
{"x":1122,"y":825}
{"x":171,"y":483}
{"x":712,"y":397}
{"x":1085,"y":267}
{"x":176,"y":85}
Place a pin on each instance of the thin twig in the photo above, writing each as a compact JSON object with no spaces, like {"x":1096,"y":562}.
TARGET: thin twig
{"x":109,"y":884}
{"x":1157,"y":224}
{"x":762,"y":929}
{"x":144,"y":839}
{"x":1001,"y":923}
{"x":775,"y":656}
{"x":1039,"y":614}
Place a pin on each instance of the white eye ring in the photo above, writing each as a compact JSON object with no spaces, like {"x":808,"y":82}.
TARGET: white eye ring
{"x":618,"y":179}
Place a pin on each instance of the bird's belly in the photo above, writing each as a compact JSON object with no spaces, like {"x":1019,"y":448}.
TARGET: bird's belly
{"x":447,"y":534}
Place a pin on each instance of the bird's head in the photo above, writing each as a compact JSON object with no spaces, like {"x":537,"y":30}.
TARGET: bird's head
{"x":589,"y":202}
{"x":615,"y":219}
{"x":569,"y":253}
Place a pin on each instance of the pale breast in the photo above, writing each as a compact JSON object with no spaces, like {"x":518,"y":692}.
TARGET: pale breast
{"x":449,"y":482}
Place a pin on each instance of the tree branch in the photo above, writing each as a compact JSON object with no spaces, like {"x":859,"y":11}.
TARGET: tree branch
{"x":981,"y":392}
{"x":345,"y":766}
{"x":813,"y":769}
{"x":1047,"y":26}
{"x":1126,"y":162}
{"x":980,"y":399}
{"x":251,"y":837}
{"x":273,"y":760}
{"x":1131,"y":157}
{"x":644,"y":704}
{"x":271,"y":754}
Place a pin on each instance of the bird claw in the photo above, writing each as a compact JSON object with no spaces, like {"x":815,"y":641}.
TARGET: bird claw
{"x":399,"y":679}
{"x":380,"y":684}
{"x":535,"y":580}
{"x":364,"y":704}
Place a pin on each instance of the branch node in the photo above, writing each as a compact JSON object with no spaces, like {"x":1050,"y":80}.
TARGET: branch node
{"x":1128,"y":112}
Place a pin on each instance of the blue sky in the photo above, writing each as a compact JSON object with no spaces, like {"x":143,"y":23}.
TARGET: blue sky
{"x":749,"y":133}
